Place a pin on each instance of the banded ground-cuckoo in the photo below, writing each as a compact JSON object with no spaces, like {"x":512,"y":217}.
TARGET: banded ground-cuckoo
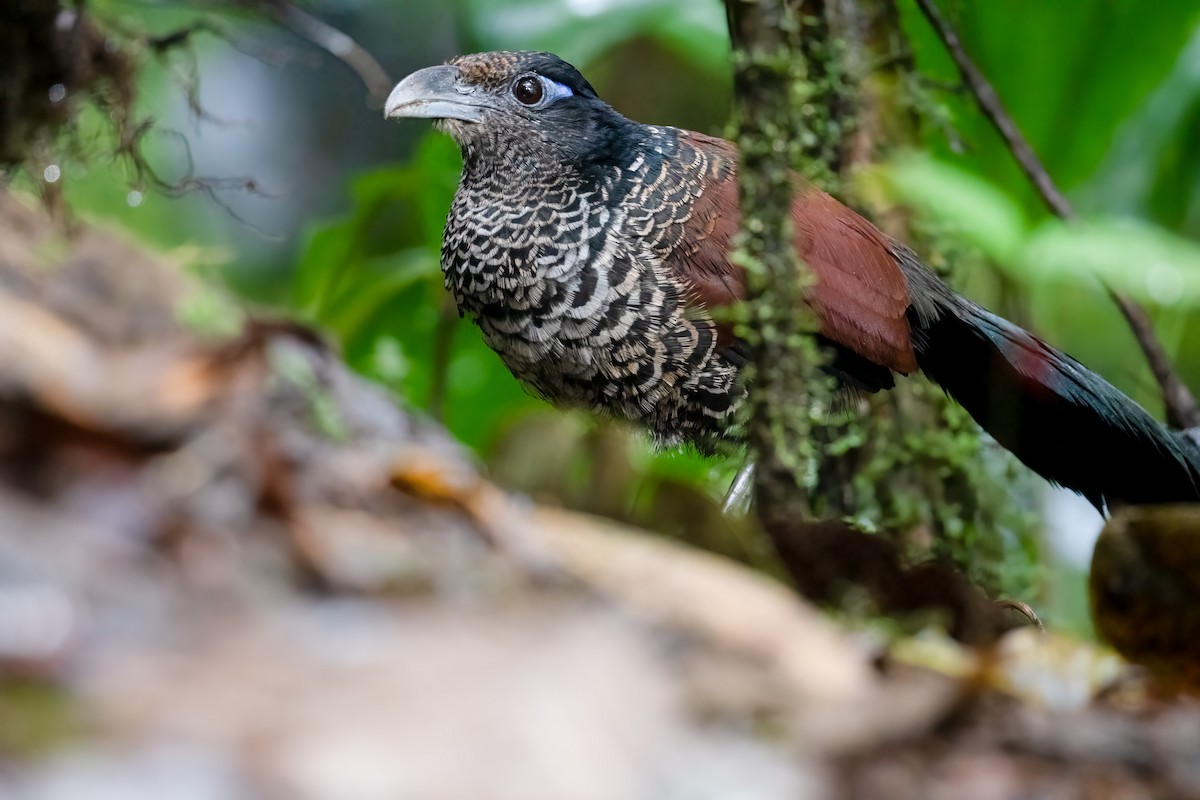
{"x":590,"y":250}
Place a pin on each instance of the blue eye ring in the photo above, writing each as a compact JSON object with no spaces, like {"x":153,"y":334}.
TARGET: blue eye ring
{"x":536,"y":91}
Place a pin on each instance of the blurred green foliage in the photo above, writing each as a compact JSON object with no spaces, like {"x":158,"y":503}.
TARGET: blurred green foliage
{"x":373,"y":279}
{"x":1054,"y":255}
{"x":589,"y":29}
{"x":1108,"y":94}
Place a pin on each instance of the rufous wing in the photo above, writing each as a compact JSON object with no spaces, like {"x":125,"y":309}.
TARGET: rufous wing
{"x":860,"y":295}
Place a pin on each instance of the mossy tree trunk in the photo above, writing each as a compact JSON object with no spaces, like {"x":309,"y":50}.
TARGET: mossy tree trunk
{"x":824,"y":87}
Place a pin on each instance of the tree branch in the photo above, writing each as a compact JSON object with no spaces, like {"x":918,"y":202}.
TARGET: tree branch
{"x":1180,"y":404}
{"x":339,"y":45}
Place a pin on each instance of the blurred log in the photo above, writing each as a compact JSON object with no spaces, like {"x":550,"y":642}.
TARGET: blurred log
{"x":1145,"y":589}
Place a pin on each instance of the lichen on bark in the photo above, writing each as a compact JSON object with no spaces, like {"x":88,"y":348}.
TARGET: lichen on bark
{"x":908,"y":463}
{"x":778,"y":86}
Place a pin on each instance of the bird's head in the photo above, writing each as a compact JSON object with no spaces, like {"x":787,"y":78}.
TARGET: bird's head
{"x":525,"y":109}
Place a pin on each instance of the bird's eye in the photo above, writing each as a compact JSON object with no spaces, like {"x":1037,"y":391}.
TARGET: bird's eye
{"x":528,"y":90}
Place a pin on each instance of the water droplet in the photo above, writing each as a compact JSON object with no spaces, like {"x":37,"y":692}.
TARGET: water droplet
{"x":58,"y":93}
{"x":134,"y":198}
{"x":52,"y":173}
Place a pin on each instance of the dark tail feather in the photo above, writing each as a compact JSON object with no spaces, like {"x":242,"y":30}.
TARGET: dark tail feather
{"x":1061,"y":419}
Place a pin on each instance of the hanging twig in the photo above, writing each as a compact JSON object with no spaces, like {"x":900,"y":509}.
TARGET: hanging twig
{"x":1180,"y":403}
{"x":339,"y":45}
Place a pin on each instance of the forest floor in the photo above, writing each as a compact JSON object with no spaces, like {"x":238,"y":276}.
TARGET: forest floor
{"x":229,"y":567}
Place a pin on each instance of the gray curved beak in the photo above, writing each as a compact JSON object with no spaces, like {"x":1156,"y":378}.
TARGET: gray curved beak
{"x":436,"y":93}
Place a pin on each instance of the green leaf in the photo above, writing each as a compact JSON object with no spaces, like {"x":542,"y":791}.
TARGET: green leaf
{"x":1070,"y":73}
{"x":972,"y":206}
{"x":1132,"y":256}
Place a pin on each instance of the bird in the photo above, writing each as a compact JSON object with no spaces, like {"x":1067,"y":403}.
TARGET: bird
{"x":593,"y":253}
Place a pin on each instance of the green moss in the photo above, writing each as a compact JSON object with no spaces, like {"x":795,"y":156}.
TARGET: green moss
{"x":35,"y":717}
{"x":785,"y":89}
{"x":914,"y":466}
{"x":210,"y":313}
{"x":295,"y":371}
